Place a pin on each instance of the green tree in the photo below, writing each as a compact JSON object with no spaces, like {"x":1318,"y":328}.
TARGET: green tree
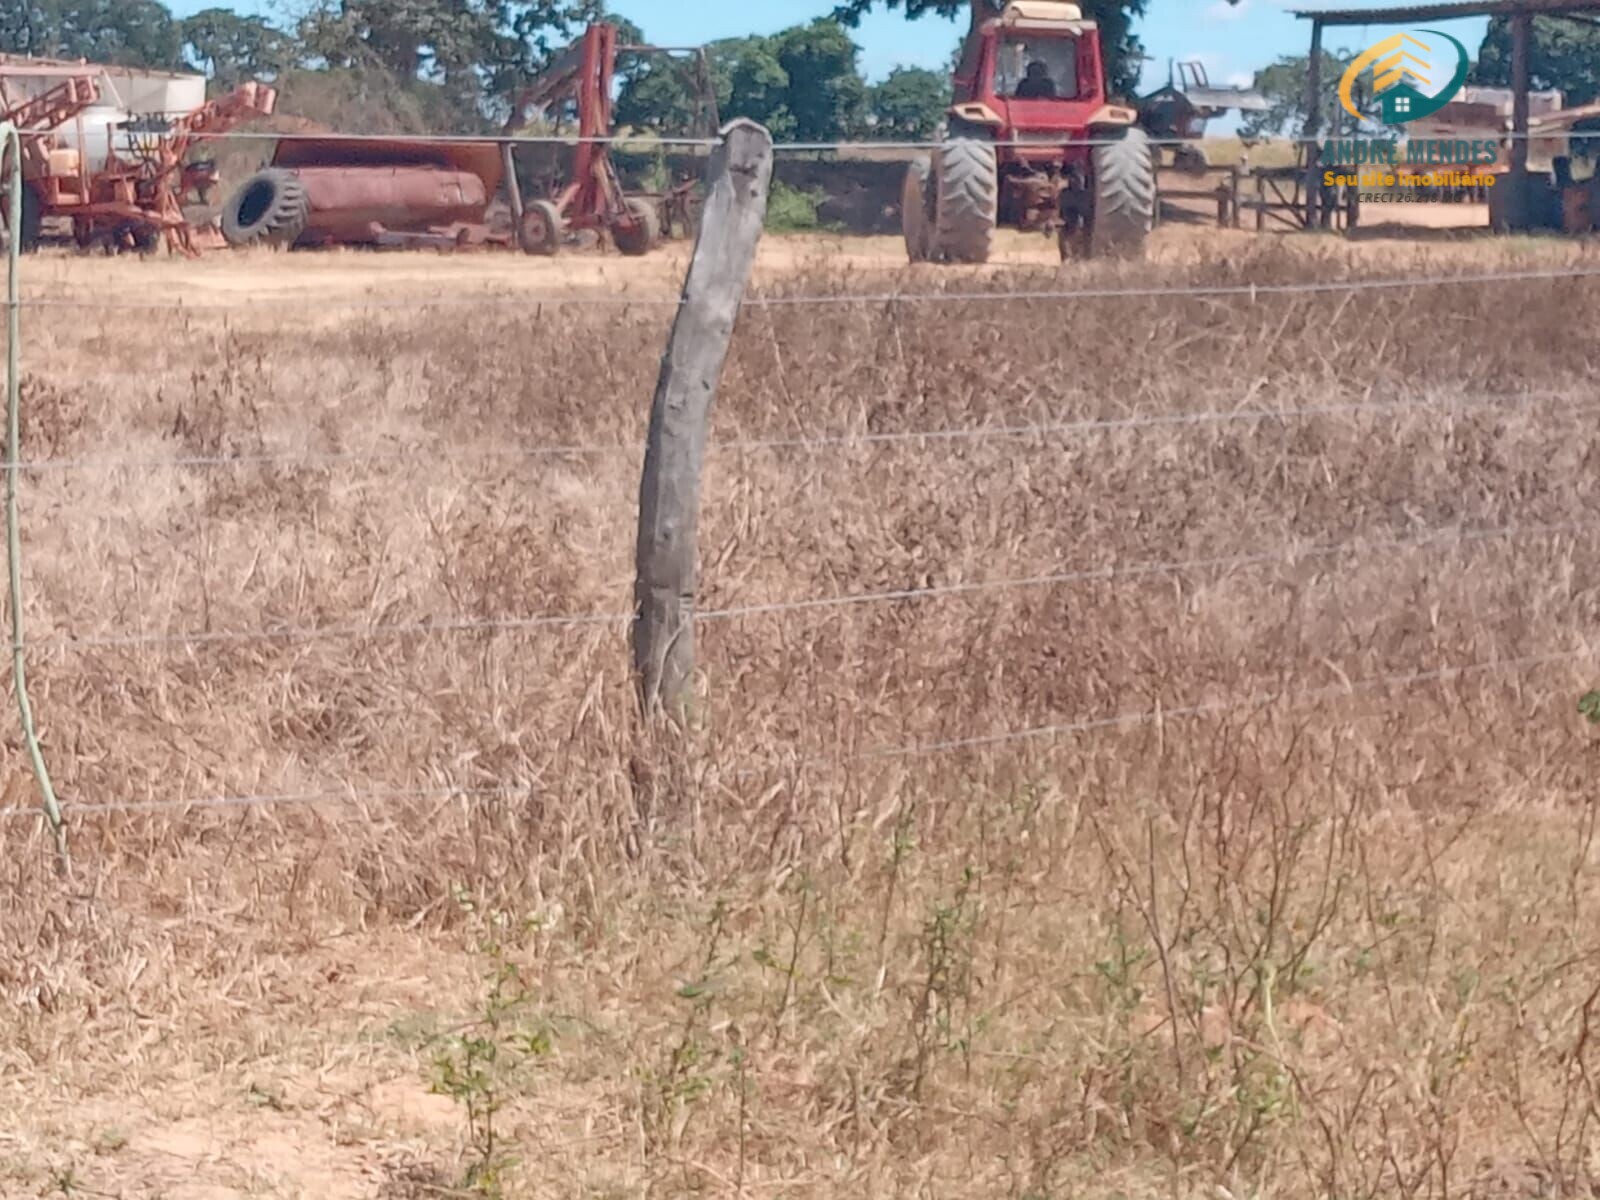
{"x":826,"y":94}
{"x":229,"y":48}
{"x":137,"y":33}
{"x":478,"y":51}
{"x":1563,"y":54}
{"x":751,"y":82}
{"x":909,"y":104}
{"x":1124,"y":53}
{"x":666,"y":93}
{"x":801,"y":83}
{"x":24,"y":28}
{"x":1284,"y":83}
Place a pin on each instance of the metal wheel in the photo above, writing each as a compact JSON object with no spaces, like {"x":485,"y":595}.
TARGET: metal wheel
{"x":541,"y":229}
{"x":642,"y":232}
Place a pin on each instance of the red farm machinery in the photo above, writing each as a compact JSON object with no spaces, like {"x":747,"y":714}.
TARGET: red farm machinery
{"x":1032,"y":142}
{"x":385,"y":192}
{"x":591,"y":197}
{"x":421,"y":192}
{"x":118,"y":167}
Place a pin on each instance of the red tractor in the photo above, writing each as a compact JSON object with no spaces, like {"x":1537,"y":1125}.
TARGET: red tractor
{"x":1032,"y":142}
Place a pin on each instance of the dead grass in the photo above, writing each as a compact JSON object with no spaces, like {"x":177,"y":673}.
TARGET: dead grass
{"x":1328,"y":948}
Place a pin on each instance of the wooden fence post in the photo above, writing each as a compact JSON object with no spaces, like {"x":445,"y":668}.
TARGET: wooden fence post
{"x":669,"y":492}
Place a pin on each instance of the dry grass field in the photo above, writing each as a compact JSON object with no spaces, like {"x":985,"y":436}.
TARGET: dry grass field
{"x":1288,"y":888}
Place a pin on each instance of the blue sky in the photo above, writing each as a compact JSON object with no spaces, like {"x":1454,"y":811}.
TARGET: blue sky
{"x":1232,"y":41}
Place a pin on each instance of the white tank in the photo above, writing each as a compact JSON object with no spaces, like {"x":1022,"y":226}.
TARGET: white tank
{"x":125,"y":94}
{"x":97,"y":128}
{"x":144,"y":93}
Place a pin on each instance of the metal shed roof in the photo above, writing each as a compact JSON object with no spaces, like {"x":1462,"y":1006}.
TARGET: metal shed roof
{"x":1407,"y":13}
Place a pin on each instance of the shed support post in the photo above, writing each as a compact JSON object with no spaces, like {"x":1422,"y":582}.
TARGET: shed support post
{"x":1517,"y":209}
{"x":1313,"y":126}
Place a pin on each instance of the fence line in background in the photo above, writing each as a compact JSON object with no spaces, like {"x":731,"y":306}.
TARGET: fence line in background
{"x":1131,"y":720}
{"x":430,"y":456}
{"x":1252,"y":291}
{"x":645,"y":143}
{"x":1113,"y":573}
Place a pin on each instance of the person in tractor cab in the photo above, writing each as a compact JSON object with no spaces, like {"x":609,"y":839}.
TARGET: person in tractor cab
{"x":1036,"y":83}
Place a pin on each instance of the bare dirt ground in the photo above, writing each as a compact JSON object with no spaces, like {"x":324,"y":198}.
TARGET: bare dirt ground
{"x":1286,"y":887}
{"x":326,"y":280}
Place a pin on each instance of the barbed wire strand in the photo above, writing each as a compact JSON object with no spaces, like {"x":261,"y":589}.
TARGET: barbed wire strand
{"x":1213,"y":708}
{"x":287,"y":799}
{"x":1211,"y":291}
{"x":430,"y":455}
{"x":950,"y":296}
{"x":1112,"y":573}
{"x":920,"y":750}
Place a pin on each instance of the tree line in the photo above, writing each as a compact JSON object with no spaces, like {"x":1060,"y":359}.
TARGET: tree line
{"x":454,"y":65}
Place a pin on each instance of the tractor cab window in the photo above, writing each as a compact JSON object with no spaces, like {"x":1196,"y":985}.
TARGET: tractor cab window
{"x":1037,"y":69}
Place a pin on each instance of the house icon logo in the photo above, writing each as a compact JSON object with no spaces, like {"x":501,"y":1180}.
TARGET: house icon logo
{"x":1408,"y":77}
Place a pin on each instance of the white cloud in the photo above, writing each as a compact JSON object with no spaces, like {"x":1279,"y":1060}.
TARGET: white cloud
{"x":1221,"y":10}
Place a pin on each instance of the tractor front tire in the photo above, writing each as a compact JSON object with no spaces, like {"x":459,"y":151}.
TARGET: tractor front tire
{"x":270,"y":208}
{"x":966,"y":177}
{"x":1124,"y":195}
{"x":915,"y":221}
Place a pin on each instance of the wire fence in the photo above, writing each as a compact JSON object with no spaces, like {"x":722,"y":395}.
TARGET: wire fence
{"x":432,"y":454}
{"x":444,"y":794}
{"x":1244,"y":291}
{"x":1113,"y":573}
{"x":644,"y":141}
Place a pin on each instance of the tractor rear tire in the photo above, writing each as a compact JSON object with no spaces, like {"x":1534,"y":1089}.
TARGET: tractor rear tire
{"x":966,"y":178}
{"x":270,"y":208}
{"x":32,"y":218}
{"x":644,"y":235}
{"x":915,"y":221}
{"x":1125,"y":196}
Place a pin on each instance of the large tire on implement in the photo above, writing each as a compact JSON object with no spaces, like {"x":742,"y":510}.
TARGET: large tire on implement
{"x":967,"y":200}
{"x":1125,"y":195}
{"x":541,"y":230}
{"x":270,"y":208}
{"x":915,"y":221}
{"x":644,"y":235}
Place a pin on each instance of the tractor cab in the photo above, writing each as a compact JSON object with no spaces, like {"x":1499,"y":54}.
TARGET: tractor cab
{"x":1032,"y":73}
